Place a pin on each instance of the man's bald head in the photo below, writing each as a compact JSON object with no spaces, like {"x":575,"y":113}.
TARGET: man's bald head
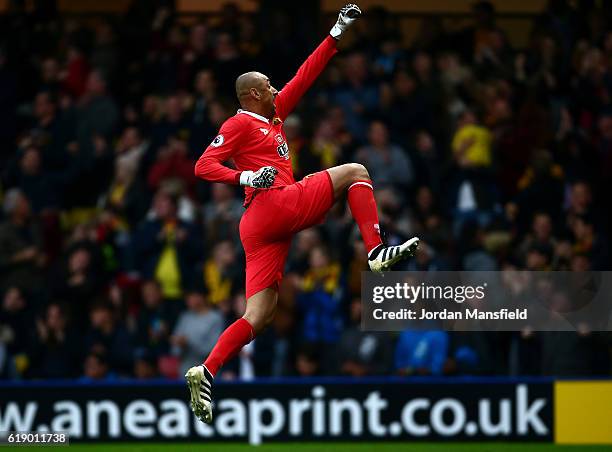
{"x":255,"y":93}
{"x":249,"y":80}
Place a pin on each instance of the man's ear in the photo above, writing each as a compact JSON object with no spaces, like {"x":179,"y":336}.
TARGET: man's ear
{"x":255,"y":93}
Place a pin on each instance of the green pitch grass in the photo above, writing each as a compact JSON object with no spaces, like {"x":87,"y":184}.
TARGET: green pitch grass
{"x":329,"y":447}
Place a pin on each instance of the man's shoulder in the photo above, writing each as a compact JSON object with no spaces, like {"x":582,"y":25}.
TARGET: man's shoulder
{"x":236,"y":124}
{"x":238,"y":119}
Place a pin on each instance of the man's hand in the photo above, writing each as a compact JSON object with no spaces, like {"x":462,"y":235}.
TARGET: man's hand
{"x":346,"y":17}
{"x":262,"y":178}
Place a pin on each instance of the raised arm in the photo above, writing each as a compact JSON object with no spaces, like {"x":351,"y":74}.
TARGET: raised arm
{"x":308,"y":72}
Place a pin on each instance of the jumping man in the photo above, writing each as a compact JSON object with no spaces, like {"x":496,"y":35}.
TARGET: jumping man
{"x":277,"y":207}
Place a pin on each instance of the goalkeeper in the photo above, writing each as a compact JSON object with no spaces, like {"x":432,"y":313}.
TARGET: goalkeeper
{"x":277,"y":207}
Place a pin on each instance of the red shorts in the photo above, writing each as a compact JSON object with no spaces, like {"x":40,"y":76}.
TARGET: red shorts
{"x":274,"y":216}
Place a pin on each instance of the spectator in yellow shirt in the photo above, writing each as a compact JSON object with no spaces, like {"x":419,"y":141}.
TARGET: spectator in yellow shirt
{"x":472,"y":142}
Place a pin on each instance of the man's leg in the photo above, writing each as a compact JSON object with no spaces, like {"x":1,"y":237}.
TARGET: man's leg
{"x":259,"y":313}
{"x":265,"y":260}
{"x":354,"y":178}
{"x":266,"y":237}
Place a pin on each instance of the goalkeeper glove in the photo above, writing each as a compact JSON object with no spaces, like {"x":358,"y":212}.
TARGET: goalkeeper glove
{"x":262,"y":178}
{"x":347,"y":15}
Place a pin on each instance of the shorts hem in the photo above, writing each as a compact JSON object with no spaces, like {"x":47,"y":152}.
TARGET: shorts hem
{"x":254,"y":291}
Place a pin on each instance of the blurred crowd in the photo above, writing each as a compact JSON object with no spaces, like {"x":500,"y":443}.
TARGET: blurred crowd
{"x":115,"y":261}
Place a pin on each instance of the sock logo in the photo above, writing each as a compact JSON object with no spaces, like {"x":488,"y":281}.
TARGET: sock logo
{"x":377,"y":228}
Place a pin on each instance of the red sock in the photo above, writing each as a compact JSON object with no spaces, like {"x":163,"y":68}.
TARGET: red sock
{"x":231,"y":341}
{"x":363,"y":207}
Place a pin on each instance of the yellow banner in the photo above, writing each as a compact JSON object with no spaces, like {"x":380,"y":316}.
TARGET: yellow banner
{"x":583,"y":412}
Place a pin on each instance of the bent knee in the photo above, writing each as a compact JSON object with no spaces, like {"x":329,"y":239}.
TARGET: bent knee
{"x":358,"y":172}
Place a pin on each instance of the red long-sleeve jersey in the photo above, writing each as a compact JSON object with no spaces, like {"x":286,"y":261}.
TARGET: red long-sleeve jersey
{"x":253,"y":141}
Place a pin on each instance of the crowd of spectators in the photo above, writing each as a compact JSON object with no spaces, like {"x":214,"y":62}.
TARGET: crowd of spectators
{"x":115,"y":261}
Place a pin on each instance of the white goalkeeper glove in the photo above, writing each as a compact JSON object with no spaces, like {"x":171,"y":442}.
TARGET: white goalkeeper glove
{"x":262,"y":178}
{"x":347,"y":15}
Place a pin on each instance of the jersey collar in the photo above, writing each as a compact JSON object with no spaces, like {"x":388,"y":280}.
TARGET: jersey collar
{"x":254,"y":115}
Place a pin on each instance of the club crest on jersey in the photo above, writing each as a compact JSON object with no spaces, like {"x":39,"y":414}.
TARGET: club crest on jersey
{"x":264,"y":131}
{"x":218,"y":141}
{"x":282,"y":149}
